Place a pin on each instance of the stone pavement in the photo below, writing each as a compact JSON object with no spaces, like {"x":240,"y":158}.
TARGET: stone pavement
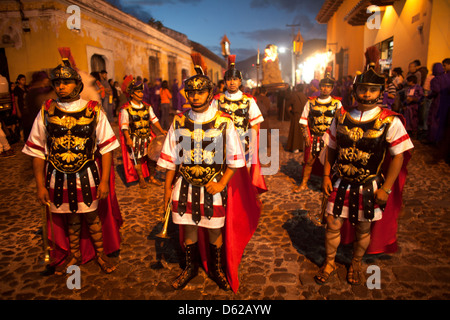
{"x":278,"y":264}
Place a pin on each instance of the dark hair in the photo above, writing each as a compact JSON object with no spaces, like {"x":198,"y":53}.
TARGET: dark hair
{"x":165,"y":84}
{"x":446,"y":61}
{"x":417,"y":62}
{"x":39,"y":76}
{"x":96,"y":75}
{"x":20,"y":76}
{"x":398,"y":70}
{"x":412,"y":78}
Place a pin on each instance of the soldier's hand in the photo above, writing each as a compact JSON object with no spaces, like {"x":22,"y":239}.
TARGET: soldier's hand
{"x":130,"y":143}
{"x":167,"y":194}
{"x":102,"y":190}
{"x":307,"y":142}
{"x":43,"y":196}
{"x":327,"y":186}
{"x":214,"y":187}
{"x":381,"y":197}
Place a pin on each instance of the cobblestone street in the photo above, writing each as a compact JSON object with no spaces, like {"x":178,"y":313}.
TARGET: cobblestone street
{"x":278,"y":264}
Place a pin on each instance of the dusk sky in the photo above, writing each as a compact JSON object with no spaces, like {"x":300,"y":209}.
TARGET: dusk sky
{"x":248,"y":24}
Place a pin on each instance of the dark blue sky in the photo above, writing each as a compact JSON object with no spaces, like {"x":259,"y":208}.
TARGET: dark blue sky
{"x":247,"y":23}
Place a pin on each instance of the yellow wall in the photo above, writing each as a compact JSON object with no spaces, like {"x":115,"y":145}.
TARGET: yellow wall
{"x":126,"y":49}
{"x":439,"y":41}
{"x":421,"y":30}
{"x":401,"y":21}
{"x":347,"y":37}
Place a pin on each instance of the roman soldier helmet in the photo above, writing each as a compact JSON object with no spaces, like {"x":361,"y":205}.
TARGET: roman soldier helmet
{"x":369,"y":78}
{"x":134,"y":86}
{"x":199,"y":81}
{"x":66,"y":72}
{"x":232,"y":72}
{"x":327,"y":80}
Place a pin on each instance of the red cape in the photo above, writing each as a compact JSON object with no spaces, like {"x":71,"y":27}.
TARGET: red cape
{"x":317,"y":168}
{"x":110,"y":217}
{"x":257,"y":178}
{"x":384,"y":231}
{"x":128,"y":163}
{"x":242,"y":216}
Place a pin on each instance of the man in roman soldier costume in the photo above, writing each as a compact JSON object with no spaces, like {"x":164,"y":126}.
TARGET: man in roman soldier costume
{"x":211,"y":198}
{"x":367,"y":153}
{"x":136,"y":134}
{"x":72,"y":145}
{"x":315,"y":120}
{"x":246,"y":117}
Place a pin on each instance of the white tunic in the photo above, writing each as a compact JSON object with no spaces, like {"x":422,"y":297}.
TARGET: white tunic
{"x":304,"y":117}
{"x":36,"y":146}
{"x":396,"y":136}
{"x":254,"y":115}
{"x":170,"y":158}
{"x":125,"y":125}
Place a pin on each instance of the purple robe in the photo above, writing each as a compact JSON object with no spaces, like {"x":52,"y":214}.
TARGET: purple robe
{"x":440,"y":95}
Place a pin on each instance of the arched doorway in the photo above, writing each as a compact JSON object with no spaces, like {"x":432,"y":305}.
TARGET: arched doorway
{"x":97,"y":63}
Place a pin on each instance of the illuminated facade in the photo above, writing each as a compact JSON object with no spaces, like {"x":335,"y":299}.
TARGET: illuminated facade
{"x":99,"y":35}
{"x":403,"y":31}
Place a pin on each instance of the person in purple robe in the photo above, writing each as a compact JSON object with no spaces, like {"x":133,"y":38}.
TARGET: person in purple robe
{"x":155,"y":99}
{"x":440,"y":95}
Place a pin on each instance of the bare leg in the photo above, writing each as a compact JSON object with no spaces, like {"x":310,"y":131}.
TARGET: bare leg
{"x":332,"y":241}
{"x":95,"y":229}
{"x":142,"y":183}
{"x":306,"y":174}
{"x":355,"y":275}
{"x":152,"y":170}
{"x":74,"y":231}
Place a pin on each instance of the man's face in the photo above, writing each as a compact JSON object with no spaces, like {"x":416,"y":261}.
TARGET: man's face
{"x":64,"y":87}
{"x":365,"y":92}
{"x":446,"y":67}
{"x":22,"y":81}
{"x":197,"y":99}
{"x":138,"y":95}
{"x":104,"y":75}
{"x":412,"y":67}
{"x":325,"y":89}
{"x":233,"y":84}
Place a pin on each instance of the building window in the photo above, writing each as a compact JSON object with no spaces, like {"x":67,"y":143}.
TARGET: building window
{"x":386,"y":49}
{"x":172,"y":68}
{"x":153,"y":68}
{"x":184,"y":74}
{"x":97,"y":63}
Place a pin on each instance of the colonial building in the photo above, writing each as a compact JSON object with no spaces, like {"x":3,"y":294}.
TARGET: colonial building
{"x":402,"y":30}
{"x":99,"y":35}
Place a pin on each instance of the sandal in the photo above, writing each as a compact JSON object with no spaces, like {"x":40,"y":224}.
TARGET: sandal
{"x":355,"y":275}
{"x":155,"y":181}
{"x":105,"y":264}
{"x":69,"y":261}
{"x":299,"y":188}
{"x":142,"y":184}
{"x":325,"y":273}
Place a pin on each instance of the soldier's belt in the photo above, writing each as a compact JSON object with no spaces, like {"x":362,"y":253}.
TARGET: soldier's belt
{"x":72,"y":185}
{"x":368,"y":196}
